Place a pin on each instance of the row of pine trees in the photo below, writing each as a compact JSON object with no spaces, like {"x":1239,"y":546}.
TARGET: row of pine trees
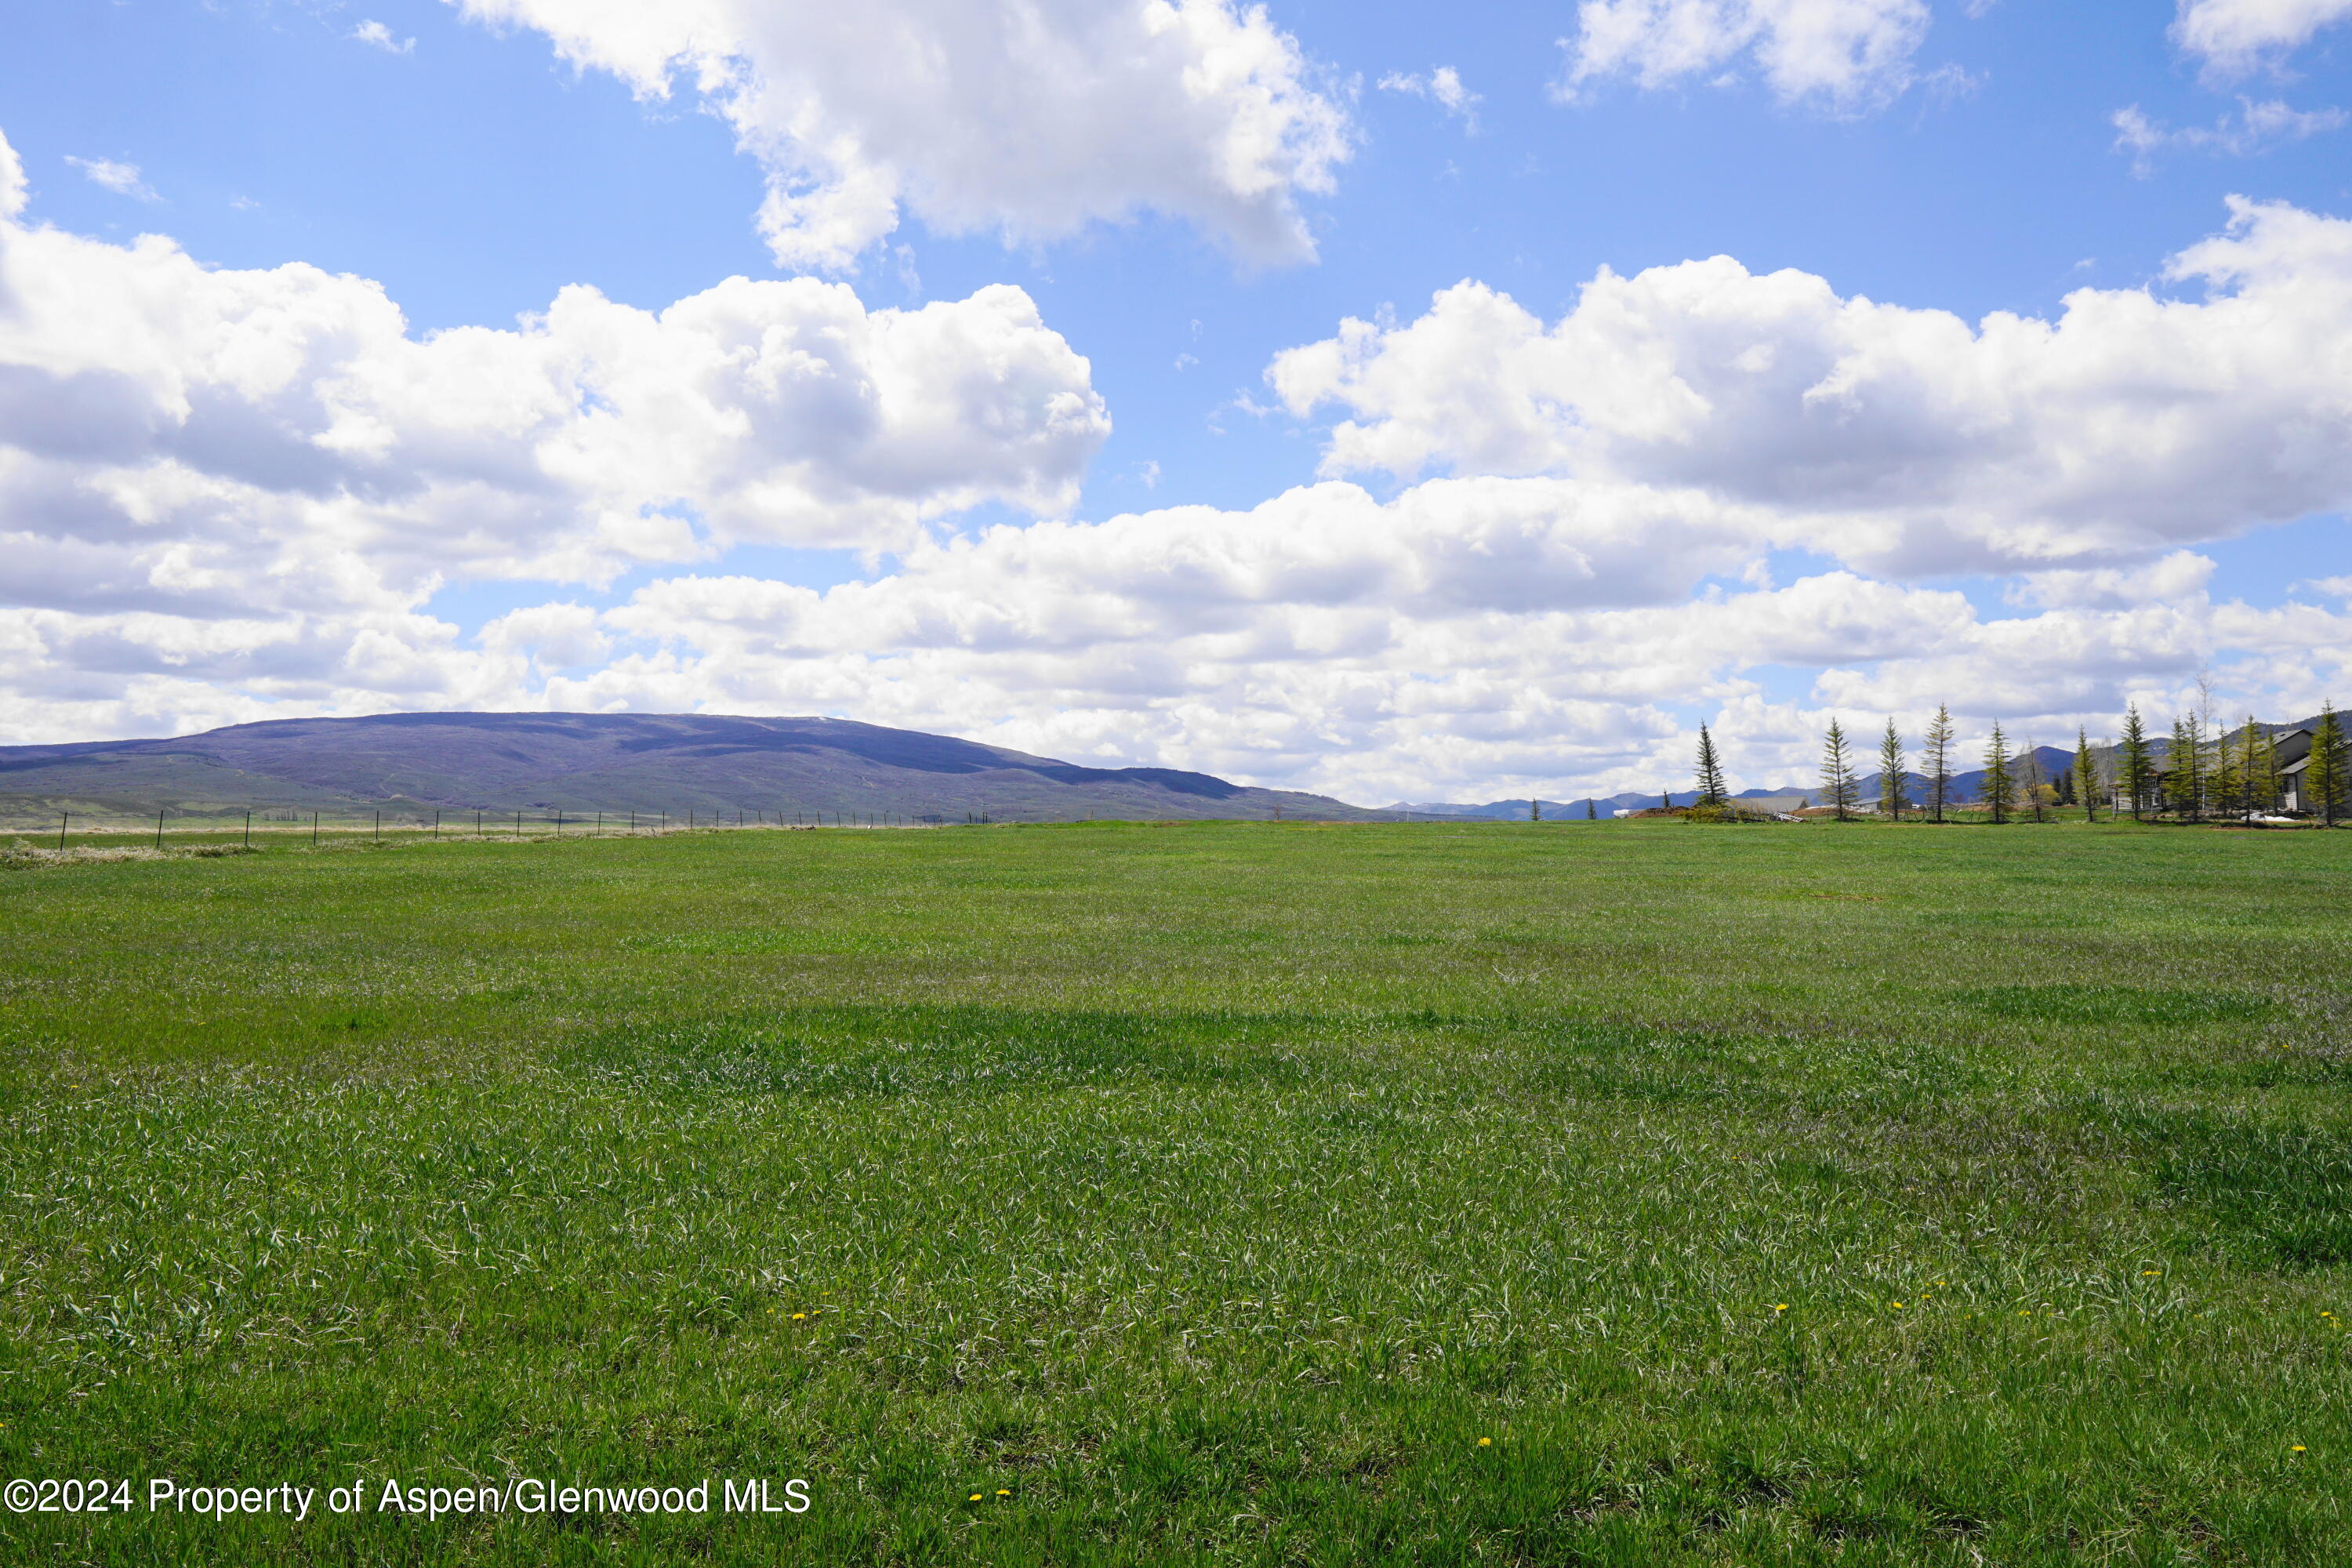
{"x":2227,"y":774}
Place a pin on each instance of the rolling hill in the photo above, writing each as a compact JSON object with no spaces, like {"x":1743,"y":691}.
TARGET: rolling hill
{"x":707,"y":764}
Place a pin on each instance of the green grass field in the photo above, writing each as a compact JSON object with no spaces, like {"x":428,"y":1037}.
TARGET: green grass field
{"x":1625,"y":1193}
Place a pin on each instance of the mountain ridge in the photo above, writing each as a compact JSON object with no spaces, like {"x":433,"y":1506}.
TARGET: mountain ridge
{"x":580,"y":762}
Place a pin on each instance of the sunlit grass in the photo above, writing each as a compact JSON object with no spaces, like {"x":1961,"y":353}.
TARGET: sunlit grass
{"x":1249,"y":1193}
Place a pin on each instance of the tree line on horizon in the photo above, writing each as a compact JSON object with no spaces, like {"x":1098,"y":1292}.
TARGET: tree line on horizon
{"x":2198,"y":773}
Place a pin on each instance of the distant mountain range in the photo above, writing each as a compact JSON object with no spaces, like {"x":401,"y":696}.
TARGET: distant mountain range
{"x":1965,"y":788}
{"x":709,"y":765}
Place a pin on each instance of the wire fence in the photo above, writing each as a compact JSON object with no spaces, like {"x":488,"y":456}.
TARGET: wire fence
{"x":278,"y":824}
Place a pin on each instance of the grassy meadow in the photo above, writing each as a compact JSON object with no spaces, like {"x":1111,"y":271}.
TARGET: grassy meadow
{"x":1626,"y":1194}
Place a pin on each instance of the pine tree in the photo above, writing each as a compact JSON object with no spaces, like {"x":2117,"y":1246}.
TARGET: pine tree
{"x":1937,"y":755}
{"x":1535,"y":811}
{"x":1837,"y":773}
{"x":1890,"y":774}
{"x":1999,"y":792}
{"x":2184,"y":768}
{"x":2201,"y":764}
{"x":1591,"y":809}
{"x":2135,"y":763}
{"x":2260,"y":765}
{"x":1711,"y":788}
{"x":2086,"y":775}
{"x":2324,"y":778}
{"x":2228,"y":789}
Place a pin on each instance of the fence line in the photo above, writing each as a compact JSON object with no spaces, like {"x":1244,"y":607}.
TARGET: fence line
{"x":240,"y":822}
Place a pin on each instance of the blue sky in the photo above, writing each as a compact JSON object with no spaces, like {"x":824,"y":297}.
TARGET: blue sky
{"x":473,"y":160}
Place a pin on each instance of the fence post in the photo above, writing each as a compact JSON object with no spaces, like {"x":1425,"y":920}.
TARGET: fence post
{"x":62,"y":821}
{"x":559,"y":822}
{"x":518,"y":832}
{"x":249,"y":830}
{"x":437,"y":827}
{"x":314,"y":830}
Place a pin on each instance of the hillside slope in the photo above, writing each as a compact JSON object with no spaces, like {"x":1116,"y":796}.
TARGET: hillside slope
{"x":612,"y":762}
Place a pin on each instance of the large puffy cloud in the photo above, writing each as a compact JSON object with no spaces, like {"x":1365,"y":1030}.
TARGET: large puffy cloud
{"x":1845,"y":55}
{"x":248,"y":482}
{"x":2238,"y":35}
{"x":1028,"y":116}
{"x":138,"y":387}
{"x":1898,"y":439}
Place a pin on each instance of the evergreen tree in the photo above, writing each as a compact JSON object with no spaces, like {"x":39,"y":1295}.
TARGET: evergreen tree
{"x":2324,"y":780}
{"x":2135,"y":762}
{"x":2227,"y":789}
{"x":1999,"y":790}
{"x":2201,"y":764}
{"x":1711,"y":789}
{"x":1535,"y":811}
{"x":1838,"y":790}
{"x":2087,"y":776}
{"x":1937,"y":755}
{"x":2184,"y":768}
{"x":2259,"y":764}
{"x":1591,"y":809}
{"x":1890,"y":774}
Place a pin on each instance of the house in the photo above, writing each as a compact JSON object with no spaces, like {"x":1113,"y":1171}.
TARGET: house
{"x":2294,"y":758}
{"x":2294,"y":750}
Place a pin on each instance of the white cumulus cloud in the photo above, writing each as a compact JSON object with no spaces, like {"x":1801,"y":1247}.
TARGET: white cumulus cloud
{"x":1028,"y":117}
{"x":2240,"y":36}
{"x":1844,"y":55}
{"x":217,"y":479}
{"x":1898,"y":439}
{"x":12,"y":181}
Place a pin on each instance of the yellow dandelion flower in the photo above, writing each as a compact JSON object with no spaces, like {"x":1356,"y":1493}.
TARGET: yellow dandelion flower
{"x":1486,"y":1441}
{"x":1781,"y":1306}
{"x":1002,"y":1492}
{"x":2298,"y":1449}
{"x":1896,"y":1305}
{"x":975,"y":1497}
{"x":798,"y":1316}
